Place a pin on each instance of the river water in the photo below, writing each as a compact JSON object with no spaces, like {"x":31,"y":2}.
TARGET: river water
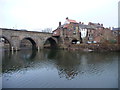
{"x":59,"y":69}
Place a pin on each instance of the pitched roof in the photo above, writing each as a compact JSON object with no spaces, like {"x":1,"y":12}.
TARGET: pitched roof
{"x":95,"y":25}
{"x":72,"y":21}
{"x":82,"y":26}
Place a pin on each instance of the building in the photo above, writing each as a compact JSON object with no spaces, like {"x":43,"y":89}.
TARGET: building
{"x":116,"y":33}
{"x":90,"y":31}
{"x":95,"y":31}
{"x":72,"y":32}
{"x":68,"y":32}
{"x":83,"y":32}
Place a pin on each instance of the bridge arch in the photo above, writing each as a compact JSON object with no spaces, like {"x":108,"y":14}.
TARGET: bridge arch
{"x":5,"y":43}
{"x":50,"y":43}
{"x":28,"y":42}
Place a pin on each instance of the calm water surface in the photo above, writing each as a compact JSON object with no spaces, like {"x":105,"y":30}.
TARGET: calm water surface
{"x":59,"y":69}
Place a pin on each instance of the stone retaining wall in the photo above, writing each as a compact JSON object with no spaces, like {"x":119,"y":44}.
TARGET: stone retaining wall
{"x":95,"y":47}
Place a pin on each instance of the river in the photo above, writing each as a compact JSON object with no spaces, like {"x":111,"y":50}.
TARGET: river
{"x":59,"y":69}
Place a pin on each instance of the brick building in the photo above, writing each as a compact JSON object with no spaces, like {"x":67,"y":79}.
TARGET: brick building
{"x":68,"y":32}
{"x":72,"y":32}
{"x":116,"y":33}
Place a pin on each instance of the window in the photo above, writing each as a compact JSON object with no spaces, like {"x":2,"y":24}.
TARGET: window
{"x":74,"y":32}
{"x":68,"y":29}
{"x":55,"y":32}
{"x":89,"y":35}
{"x":74,"y":28}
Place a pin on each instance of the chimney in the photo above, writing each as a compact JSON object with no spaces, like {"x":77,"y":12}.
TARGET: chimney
{"x":101,"y":24}
{"x":59,"y":24}
{"x":66,"y":18}
{"x":89,"y":23}
{"x":98,"y":23}
{"x":79,"y":22}
{"x":82,"y":22}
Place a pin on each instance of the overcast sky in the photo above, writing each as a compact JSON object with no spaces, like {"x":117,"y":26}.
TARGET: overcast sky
{"x":40,"y":14}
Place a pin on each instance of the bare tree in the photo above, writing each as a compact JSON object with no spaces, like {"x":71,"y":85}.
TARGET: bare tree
{"x":49,"y":30}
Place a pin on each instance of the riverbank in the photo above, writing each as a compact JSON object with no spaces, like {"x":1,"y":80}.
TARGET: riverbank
{"x":84,"y":47}
{"x":94,"y":47}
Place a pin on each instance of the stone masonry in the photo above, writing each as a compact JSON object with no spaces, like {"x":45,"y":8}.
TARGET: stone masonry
{"x":14,"y":37}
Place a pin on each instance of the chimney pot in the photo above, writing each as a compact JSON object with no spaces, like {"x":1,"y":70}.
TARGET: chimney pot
{"x":98,"y":23}
{"x":101,"y":24}
{"x":59,"y":24}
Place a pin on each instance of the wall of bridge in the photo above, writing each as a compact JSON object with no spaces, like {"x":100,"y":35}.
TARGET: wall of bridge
{"x":15,"y":36}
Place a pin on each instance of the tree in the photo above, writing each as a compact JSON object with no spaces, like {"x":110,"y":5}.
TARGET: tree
{"x":49,"y":30}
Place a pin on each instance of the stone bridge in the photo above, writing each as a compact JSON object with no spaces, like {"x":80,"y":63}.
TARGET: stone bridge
{"x":14,"y":38}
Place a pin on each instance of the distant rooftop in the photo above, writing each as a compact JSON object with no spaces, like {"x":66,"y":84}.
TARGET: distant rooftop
{"x":116,"y":28}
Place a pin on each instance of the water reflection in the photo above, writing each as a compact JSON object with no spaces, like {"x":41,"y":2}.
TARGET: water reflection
{"x":28,"y":55}
{"x":58,"y":68}
{"x":68,"y":63}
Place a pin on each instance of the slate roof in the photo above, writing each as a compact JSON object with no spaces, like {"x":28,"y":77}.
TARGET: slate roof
{"x":83,"y":26}
{"x":95,"y":25}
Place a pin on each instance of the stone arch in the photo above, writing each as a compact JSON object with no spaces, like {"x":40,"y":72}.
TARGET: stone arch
{"x":51,"y":42}
{"x":5,"y":40}
{"x":74,"y":41}
{"x":29,"y":39}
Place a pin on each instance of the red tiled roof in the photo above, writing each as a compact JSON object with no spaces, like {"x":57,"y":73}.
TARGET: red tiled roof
{"x":73,"y":21}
